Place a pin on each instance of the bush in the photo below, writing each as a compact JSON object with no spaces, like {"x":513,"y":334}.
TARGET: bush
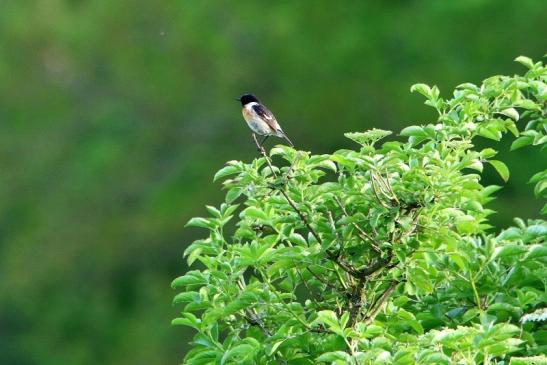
{"x":378,"y":255}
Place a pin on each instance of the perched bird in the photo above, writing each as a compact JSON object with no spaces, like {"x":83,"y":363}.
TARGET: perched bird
{"x":260,"y":119}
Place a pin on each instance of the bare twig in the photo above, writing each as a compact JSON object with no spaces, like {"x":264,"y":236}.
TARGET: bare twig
{"x":321,"y":279}
{"x":381,"y":302}
{"x":390,"y":188}
{"x":265,"y":155}
{"x":312,"y":293}
{"x":383,"y":183}
{"x":373,"y":185}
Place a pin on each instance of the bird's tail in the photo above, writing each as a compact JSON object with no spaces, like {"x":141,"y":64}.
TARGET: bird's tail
{"x":288,"y":140}
{"x":284,"y":136}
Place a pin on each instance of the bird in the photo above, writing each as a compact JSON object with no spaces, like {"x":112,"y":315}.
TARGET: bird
{"x":260,"y":119}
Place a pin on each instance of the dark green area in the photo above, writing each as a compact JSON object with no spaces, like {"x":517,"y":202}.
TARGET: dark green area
{"x":115,"y":115}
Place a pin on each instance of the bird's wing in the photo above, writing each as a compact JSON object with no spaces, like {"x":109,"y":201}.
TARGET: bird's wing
{"x":266,"y":116}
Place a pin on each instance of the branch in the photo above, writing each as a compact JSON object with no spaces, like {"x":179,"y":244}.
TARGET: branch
{"x":356,"y":301}
{"x":375,"y":266}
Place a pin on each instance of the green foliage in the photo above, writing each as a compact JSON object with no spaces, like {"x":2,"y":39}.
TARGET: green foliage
{"x":377,"y":255}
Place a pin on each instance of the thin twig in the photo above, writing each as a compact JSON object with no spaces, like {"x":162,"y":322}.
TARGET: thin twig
{"x":364,"y":236}
{"x":302,"y":217}
{"x":413,"y":227}
{"x":263,"y":153}
{"x":382,"y":184}
{"x":342,"y":282}
{"x":381,"y":302}
{"x":250,"y":314}
{"x":285,"y":305}
{"x":388,"y":183}
{"x":312,"y":293}
{"x":322,"y":280}
{"x":376,"y":193}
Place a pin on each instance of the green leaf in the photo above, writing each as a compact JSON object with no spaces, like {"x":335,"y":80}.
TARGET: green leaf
{"x":213,"y":210}
{"x":511,"y":113}
{"x":488,"y":152}
{"x":501,"y":168}
{"x":190,"y":296}
{"x":401,"y":300}
{"x":241,"y":352}
{"x":490,"y":132}
{"x":253,"y":212}
{"x":540,"y":188}
{"x":194,"y":277}
{"x":200,"y":222}
{"x":536,"y":251}
{"x":525,"y":61}
{"x":535,"y":231}
{"x":297,"y":239}
{"x":433,"y":358}
{"x":470,"y":314}
{"x":537,"y":177}
{"x":522,"y":141}
{"x":527,"y":104}
{"x":422,"y":89}
{"x":330,"y":320}
{"x":226,"y":171}
{"x":334,"y":356}
{"x":509,"y":250}
{"x":413,"y":130}
{"x":188,"y":320}
{"x":328,"y":164}
{"x":233,"y":194}
{"x":275,"y":346}
{"x":204,"y":357}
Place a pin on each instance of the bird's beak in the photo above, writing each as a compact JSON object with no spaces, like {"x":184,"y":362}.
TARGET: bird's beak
{"x":238,"y":99}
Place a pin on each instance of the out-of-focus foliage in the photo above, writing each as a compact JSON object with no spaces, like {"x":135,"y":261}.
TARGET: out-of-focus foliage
{"x":114,"y":113}
{"x":377,"y":255}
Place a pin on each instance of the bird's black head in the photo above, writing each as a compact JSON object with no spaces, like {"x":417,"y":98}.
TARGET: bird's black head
{"x":248,"y":98}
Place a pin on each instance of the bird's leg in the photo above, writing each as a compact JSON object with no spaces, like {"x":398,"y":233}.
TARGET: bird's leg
{"x":259,"y":147}
{"x":264,"y":140}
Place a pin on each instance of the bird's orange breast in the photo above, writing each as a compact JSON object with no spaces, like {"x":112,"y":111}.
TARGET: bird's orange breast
{"x":247,"y":114}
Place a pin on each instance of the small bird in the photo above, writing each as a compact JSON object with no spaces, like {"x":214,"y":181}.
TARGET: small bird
{"x":260,"y":119}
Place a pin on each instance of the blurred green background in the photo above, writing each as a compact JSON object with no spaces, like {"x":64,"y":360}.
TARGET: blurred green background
{"x":114,"y":117}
